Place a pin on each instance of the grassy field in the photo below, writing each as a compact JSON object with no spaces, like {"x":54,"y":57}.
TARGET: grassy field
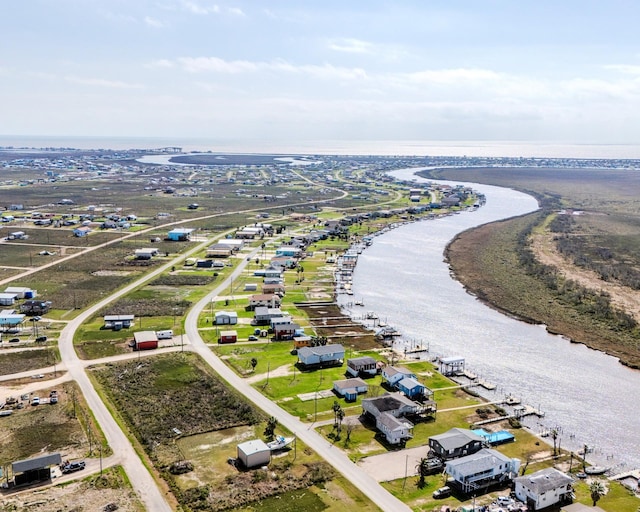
{"x":22,"y":361}
{"x":179,"y":392}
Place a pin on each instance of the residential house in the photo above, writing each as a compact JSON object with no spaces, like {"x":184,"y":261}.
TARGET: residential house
{"x":277,"y":289}
{"x":394,"y":374}
{"x":474,"y":473}
{"x":219,"y":251}
{"x":455,"y":443}
{"x":286,"y":331}
{"x":180,"y":234}
{"x":8,"y":299}
{"x":234,"y":243}
{"x":11,"y":320}
{"x":544,"y":488}
{"x":289,"y":250}
{"x":118,"y":322}
{"x":35,"y":307}
{"x":81,"y":231}
{"x":349,"y":389}
{"x":362,"y":366}
{"x":323,"y":355}
{"x":146,"y":253}
{"x":412,"y":388}
{"x":226,"y":318}
{"x":269,"y":300}
{"x":389,"y":412}
{"x":263,"y":315}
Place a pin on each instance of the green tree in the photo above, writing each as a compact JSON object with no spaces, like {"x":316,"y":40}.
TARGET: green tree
{"x":423,"y":472}
{"x":597,"y":491}
{"x":270,"y":429}
{"x":254,"y":363}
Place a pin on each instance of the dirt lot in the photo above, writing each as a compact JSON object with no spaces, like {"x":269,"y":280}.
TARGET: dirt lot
{"x":93,"y":494}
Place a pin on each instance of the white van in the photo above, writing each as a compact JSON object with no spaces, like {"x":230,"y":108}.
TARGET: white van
{"x":164,"y":335}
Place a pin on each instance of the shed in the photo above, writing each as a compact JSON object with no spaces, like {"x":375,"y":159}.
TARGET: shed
{"x":254,"y":453}
{"x":145,"y":340}
{"x":228,"y":337}
{"x":226,"y":318}
{"x":21,"y":292}
{"x":250,"y":287}
{"x":146,"y":253}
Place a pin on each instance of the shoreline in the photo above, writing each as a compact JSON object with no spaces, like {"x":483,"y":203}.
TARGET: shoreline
{"x":348,"y":309}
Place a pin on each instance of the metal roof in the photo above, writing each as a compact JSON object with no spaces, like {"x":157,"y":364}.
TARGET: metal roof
{"x":43,"y":461}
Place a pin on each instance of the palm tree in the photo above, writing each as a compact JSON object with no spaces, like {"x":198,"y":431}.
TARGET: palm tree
{"x":597,"y":491}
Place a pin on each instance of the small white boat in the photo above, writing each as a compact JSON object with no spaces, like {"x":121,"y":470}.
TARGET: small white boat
{"x":279,"y":443}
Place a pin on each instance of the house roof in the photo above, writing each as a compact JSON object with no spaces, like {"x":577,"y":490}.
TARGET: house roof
{"x":321,"y":350}
{"x":390,"y":402}
{"x":349,"y":384}
{"x":228,"y":334}
{"x":476,"y":463}
{"x":118,"y":318}
{"x":226,"y":313}
{"x":393,"y":423}
{"x":394,"y":370}
{"x":253,"y":446}
{"x":36,"y":463}
{"x":410,"y":383}
{"x":264,"y":296}
{"x":544,"y":480}
{"x":142,"y":336}
{"x":456,"y":438}
{"x":358,"y":361}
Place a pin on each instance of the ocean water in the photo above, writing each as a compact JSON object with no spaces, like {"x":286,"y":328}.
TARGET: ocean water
{"x":531,"y":149}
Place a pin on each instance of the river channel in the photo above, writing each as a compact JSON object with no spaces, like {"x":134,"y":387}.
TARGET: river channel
{"x":588,"y":396}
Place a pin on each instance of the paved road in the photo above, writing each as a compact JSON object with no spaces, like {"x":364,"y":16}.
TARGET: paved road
{"x":334,"y":456}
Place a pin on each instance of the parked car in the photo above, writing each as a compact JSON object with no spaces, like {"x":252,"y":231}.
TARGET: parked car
{"x":41,"y":338}
{"x":443,"y":492}
{"x":14,"y":340}
{"x":72,"y":467}
{"x":35,"y":400}
{"x":252,"y":338}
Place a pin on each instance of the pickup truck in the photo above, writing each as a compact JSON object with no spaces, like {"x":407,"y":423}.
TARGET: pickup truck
{"x":72,"y":467}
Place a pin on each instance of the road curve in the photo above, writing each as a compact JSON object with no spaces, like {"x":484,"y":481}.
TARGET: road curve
{"x":334,"y":456}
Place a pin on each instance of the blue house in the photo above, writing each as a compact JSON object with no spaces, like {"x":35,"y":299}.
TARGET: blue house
{"x":82,"y":231}
{"x":180,"y":234}
{"x":288,"y":250}
{"x":411,"y":388}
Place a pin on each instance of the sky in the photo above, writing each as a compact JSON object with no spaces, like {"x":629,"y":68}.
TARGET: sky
{"x":516,"y":70}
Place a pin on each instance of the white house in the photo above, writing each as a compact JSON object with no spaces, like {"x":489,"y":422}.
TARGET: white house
{"x":394,"y":374}
{"x":395,"y":430}
{"x":332,"y":354}
{"x":544,"y":488}
{"x":254,"y":453}
{"x":350,"y":388}
{"x":482,"y":469}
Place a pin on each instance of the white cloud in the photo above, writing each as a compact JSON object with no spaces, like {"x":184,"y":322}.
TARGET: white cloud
{"x":99,"y":82}
{"x":236,"y":11}
{"x":351,"y":46}
{"x":218,"y":65}
{"x":160,"y":63}
{"x":153,"y":22}
{"x":197,"y":8}
{"x":628,"y":69}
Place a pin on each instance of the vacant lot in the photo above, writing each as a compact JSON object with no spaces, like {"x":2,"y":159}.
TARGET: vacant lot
{"x":24,"y":360}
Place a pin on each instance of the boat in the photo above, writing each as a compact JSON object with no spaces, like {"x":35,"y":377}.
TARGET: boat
{"x":595,"y":470}
{"x":279,"y":443}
